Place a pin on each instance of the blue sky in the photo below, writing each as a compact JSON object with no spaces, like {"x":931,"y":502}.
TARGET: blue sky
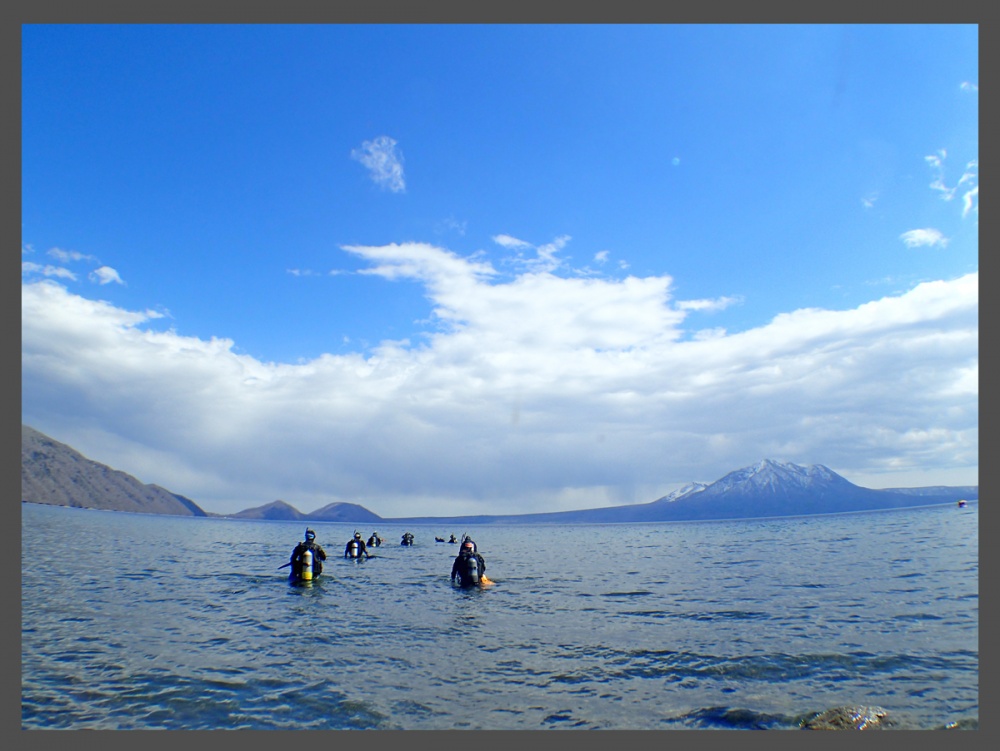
{"x":500,"y":269}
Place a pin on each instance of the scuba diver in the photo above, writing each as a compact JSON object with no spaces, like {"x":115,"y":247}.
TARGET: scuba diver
{"x":356,"y":547}
{"x":307,"y":558}
{"x":452,"y":539}
{"x":407,"y":539}
{"x":469,"y":566}
{"x":374,"y":541}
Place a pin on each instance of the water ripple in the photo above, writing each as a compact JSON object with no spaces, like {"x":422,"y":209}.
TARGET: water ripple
{"x":777,"y":620}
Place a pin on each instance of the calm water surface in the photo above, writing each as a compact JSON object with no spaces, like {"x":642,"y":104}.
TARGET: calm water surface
{"x":184,"y":623}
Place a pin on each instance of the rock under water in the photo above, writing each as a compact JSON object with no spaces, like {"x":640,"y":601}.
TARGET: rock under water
{"x":849,"y":718}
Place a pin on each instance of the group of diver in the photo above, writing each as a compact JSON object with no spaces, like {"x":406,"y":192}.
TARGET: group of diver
{"x":468,"y":570}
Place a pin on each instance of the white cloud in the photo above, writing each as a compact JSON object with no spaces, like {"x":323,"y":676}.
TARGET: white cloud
{"x":704,"y":335}
{"x":28,"y":268}
{"x":936,"y":163}
{"x":384,"y":163}
{"x":105,"y":275}
{"x":916,"y":238}
{"x":545,"y":255}
{"x":968,"y":183}
{"x":970,"y":202}
{"x":101,"y":275}
{"x":67,"y":256}
{"x":506,"y":241}
{"x":970,"y":87}
{"x":601,"y":256}
{"x":536,"y":307}
{"x":613,"y":400}
{"x":708,"y":306}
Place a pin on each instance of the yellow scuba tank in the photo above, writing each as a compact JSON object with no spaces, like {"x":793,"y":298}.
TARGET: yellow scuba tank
{"x":307,"y":565}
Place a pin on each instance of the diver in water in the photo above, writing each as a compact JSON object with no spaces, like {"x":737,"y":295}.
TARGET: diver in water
{"x":374,"y":541}
{"x":469,"y":567}
{"x":316,"y":556}
{"x":356,"y":547}
{"x":452,"y":539}
{"x":407,"y":539}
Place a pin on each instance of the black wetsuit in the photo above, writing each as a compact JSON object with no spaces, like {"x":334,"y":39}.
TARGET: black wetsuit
{"x":460,"y":569}
{"x":362,"y":550}
{"x":318,"y":557}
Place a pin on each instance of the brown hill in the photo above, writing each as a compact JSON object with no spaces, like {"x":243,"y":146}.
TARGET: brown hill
{"x":55,"y":474}
{"x":343,"y":512}
{"x":273,"y":510}
{"x":332,"y":512}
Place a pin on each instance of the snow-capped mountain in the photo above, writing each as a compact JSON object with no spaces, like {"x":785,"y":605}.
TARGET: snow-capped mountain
{"x":766,"y":479}
{"x":773,"y":488}
{"x":771,"y":478}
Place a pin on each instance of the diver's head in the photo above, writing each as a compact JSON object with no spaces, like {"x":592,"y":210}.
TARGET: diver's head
{"x":357,"y":535}
{"x":310,"y":535}
{"x":467,"y":546}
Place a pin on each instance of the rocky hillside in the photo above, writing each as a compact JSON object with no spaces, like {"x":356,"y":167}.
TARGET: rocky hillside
{"x":55,"y":474}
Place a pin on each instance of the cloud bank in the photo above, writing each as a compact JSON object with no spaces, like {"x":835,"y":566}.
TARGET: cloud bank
{"x":528,"y":392}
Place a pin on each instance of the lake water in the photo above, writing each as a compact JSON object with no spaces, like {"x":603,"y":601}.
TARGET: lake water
{"x":133,"y":621}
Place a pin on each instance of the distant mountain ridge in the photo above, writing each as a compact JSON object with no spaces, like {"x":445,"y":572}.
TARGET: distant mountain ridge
{"x":55,"y":474}
{"x":764,"y":490}
{"x":332,"y":512}
{"x":969,"y":491}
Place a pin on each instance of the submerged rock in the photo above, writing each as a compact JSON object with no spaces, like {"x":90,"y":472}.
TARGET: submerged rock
{"x":969,"y":723}
{"x":849,"y":718}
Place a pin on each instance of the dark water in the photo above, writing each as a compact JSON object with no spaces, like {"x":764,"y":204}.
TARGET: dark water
{"x":180,"y":623}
